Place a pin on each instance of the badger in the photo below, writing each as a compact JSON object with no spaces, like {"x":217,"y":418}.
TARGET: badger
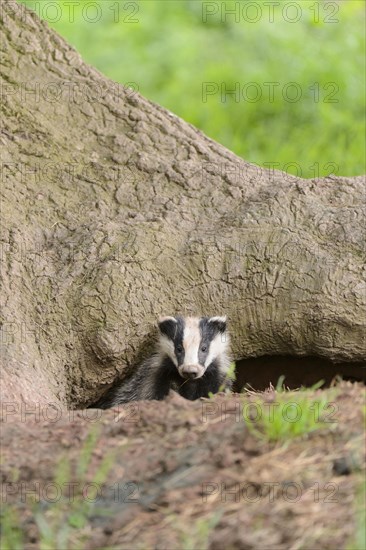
{"x":191,"y":357}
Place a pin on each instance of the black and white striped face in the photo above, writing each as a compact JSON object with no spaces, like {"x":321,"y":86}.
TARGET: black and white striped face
{"x":193,"y":343}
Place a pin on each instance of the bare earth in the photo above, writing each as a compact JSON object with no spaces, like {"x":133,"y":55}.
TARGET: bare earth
{"x":185,"y":475}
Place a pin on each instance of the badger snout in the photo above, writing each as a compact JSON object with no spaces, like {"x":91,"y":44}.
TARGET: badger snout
{"x":191,"y":371}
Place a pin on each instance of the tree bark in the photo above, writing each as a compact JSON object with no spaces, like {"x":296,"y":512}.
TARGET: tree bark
{"x":115,"y":211}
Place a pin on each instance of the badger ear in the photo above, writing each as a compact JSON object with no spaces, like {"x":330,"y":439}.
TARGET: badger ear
{"x":219,"y":323}
{"x":168,"y":326}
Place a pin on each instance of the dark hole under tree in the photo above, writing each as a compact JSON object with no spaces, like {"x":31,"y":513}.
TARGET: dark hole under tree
{"x":259,"y":372}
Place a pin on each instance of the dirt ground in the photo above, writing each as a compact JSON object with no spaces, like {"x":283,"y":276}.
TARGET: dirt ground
{"x":183,"y":475}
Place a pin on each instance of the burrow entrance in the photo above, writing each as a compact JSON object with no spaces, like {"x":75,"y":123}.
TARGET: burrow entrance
{"x":259,"y":372}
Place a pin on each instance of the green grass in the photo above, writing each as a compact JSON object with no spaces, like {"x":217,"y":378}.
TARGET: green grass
{"x":197,"y":536}
{"x":63,"y":523}
{"x":288,"y":416}
{"x":170,"y":53}
{"x":11,"y":532}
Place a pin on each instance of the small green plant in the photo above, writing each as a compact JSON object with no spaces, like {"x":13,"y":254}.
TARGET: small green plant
{"x":11,"y":533}
{"x":287,"y":417}
{"x":230,"y":375}
{"x":280,"y":387}
{"x":231,"y":372}
{"x":198,"y":536}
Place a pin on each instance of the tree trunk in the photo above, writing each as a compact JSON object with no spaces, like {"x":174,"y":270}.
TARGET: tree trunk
{"x":115,"y":211}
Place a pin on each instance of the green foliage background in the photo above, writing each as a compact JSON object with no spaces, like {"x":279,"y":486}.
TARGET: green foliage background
{"x":169,"y":49}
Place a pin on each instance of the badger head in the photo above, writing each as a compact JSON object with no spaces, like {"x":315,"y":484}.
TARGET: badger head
{"x":193,"y":344}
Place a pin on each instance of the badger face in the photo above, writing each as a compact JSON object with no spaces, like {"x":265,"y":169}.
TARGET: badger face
{"x":193,"y":344}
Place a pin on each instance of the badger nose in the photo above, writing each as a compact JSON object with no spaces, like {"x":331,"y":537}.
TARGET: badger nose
{"x":190,"y":372}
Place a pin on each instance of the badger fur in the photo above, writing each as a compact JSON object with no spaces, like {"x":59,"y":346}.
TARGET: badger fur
{"x":191,"y":358}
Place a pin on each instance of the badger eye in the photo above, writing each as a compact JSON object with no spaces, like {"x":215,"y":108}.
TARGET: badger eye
{"x":203,"y":348}
{"x":179,"y":349}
